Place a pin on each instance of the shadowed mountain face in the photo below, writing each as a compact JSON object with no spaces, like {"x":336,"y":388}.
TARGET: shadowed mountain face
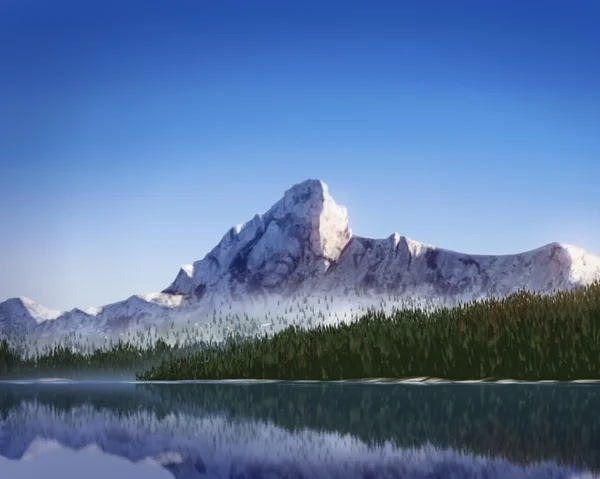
{"x":285,"y":430}
{"x":303,"y":246}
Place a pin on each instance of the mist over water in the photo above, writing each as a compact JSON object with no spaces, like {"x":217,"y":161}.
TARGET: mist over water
{"x":243,"y":430}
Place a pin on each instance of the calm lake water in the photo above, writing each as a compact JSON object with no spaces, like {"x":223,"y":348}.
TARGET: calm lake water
{"x":201,"y":430}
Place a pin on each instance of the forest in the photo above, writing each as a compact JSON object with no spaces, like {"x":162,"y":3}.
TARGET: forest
{"x":525,"y":336}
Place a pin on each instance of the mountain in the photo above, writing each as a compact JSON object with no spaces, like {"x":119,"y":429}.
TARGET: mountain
{"x":288,"y":247}
{"x":299,"y":262}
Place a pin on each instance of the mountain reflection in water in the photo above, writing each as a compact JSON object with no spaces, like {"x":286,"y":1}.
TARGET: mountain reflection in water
{"x":310,"y":430}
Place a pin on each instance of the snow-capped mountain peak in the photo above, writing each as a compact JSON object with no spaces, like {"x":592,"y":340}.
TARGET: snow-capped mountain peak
{"x":303,"y":245}
{"x":23,"y":310}
{"x":302,"y":234}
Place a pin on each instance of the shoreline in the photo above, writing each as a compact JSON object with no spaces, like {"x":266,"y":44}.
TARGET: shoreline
{"x":435,"y":380}
{"x":427,"y":380}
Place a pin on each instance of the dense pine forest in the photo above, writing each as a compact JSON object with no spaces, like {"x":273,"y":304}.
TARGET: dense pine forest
{"x":526,"y":336}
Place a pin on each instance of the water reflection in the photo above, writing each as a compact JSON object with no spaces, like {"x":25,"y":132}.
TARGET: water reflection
{"x":291,"y":430}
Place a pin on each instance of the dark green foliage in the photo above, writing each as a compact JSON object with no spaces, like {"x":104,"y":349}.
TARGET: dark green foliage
{"x":526,"y":336}
{"x":8,"y":358}
{"x":63,"y":361}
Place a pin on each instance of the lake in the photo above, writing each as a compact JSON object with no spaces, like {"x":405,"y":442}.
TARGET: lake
{"x":296,"y":430}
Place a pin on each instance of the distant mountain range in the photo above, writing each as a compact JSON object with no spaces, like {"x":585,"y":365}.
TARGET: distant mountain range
{"x":298,"y":261}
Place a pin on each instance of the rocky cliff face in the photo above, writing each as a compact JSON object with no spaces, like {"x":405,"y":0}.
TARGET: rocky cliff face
{"x":298,"y":239}
{"x":304,"y":246}
{"x":403,"y":266}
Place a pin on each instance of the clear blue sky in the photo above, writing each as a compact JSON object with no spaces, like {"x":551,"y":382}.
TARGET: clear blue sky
{"x":134,"y":133}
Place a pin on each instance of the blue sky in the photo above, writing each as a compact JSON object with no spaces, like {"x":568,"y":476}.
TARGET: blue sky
{"x":134,"y":134}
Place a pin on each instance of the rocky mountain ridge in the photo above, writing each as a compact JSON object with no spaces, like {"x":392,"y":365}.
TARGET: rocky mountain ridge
{"x":303,"y":246}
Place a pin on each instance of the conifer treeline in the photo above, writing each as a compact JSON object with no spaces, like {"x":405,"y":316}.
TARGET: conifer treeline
{"x":526,"y":336}
{"x":121,"y":358}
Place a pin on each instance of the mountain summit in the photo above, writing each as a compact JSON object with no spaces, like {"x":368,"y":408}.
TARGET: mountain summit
{"x":303,"y":246}
{"x":299,"y":238}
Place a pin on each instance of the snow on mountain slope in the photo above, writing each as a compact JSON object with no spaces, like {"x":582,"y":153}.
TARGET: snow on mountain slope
{"x":401,"y":265}
{"x":297,"y":262}
{"x":298,"y":238}
{"x":23,"y":314}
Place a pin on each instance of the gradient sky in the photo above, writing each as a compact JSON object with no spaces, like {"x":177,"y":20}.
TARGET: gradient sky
{"x":134,"y":133}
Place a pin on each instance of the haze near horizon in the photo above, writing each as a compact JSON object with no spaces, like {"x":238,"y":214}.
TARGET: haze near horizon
{"x":134,"y":135}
